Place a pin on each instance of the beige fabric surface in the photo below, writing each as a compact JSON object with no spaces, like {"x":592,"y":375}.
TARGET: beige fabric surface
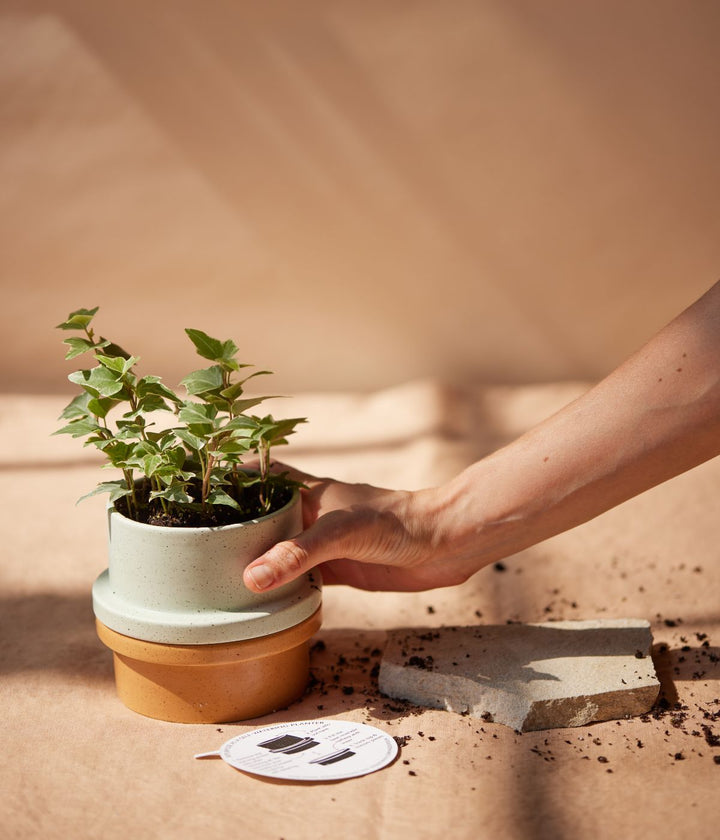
{"x":77,"y":764}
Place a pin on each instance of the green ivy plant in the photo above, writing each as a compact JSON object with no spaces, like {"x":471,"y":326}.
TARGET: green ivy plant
{"x":190,"y":471}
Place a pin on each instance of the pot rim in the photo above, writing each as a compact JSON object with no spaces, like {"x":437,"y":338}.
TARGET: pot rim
{"x":208,"y":626}
{"x":112,"y":510}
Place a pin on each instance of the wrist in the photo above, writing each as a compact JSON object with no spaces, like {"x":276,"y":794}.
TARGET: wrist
{"x":478,"y":517}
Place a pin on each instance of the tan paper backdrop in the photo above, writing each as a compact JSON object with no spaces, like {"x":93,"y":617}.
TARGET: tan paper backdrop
{"x":363,"y":193}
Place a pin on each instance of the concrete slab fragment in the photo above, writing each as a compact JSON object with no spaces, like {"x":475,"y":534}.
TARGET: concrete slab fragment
{"x":526,"y":676}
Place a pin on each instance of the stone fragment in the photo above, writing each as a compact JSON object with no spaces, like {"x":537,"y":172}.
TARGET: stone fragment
{"x":526,"y":676}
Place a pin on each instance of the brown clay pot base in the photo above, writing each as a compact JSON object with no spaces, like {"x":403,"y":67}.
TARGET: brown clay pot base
{"x":215,"y":683}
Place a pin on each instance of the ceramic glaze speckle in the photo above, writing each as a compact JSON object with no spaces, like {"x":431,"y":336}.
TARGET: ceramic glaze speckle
{"x":184,"y":585}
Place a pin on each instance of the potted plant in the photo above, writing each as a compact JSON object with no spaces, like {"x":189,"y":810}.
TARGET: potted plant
{"x":185,"y":516}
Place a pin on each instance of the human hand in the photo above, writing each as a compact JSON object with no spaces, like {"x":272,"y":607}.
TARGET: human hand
{"x":362,"y":536}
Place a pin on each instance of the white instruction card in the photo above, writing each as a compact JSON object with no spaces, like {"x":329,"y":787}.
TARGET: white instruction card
{"x":310,"y":750}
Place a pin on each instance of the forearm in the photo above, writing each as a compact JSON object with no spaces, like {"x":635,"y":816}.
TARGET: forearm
{"x":656,"y":416}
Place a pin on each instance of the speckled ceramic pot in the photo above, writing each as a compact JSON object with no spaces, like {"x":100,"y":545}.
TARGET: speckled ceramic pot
{"x":173,"y":588}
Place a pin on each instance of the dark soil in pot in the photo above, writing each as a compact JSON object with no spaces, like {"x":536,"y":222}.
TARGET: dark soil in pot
{"x":248,"y":497}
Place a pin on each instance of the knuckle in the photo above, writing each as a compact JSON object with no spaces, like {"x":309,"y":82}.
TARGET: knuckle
{"x":293,"y":558}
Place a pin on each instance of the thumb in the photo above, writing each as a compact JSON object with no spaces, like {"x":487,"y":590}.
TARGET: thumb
{"x":291,"y":558}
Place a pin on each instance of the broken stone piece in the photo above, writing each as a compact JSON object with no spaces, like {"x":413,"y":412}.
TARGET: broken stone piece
{"x":526,"y":676}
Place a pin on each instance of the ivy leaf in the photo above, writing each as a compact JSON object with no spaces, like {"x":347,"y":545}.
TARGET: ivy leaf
{"x":153,"y":386}
{"x":217,"y":496}
{"x":222,"y":352}
{"x":152,"y":464}
{"x":203,"y":381}
{"x":258,"y":373}
{"x":99,"y":381}
{"x":239,"y":406}
{"x":146,"y":447}
{"x":130,"y":427}
{"x":198,"y":414}
{"x":232,"y":392}
{"x":241,"y":423}
{"x":283,"y":428}
{"x":234,"y":446}
{"x":173,"y":493}
{"x":275,"y":431}
{"x":77,"y":346}
{"x":118,"y":364}
{"x":79,"y":428}
{"x":152,"y":403}
{"x":195,"y":442}
{"x":78,"y":320}
{"x":101,"y":406}
{"x":116,"y":489}
{"x":117,"y":451}
{"x":169,"y":473}
{"x":175,"y":456}
{"x":229,"y":351}
{"x":207,"y":347}
{"x":112,"y":349}
{"x":162,"y":441}
{"x":77,"y":407}
{"x":220,"y":403}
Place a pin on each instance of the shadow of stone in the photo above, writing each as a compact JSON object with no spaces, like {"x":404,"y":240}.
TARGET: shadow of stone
{"x":662,"y":660}
{"x":686,"y":663}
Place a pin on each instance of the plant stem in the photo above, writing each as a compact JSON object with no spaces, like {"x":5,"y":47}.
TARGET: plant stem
{"x":132,"y":498}
{"x":206,"y":477}
{"x":264,"y":453}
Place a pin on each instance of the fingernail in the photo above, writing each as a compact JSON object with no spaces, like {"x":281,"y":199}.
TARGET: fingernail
{"x":261,"y":576}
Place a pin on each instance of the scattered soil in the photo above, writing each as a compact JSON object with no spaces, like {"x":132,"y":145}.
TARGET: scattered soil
{"x":677,"y":730}
{"x":688,"y":730}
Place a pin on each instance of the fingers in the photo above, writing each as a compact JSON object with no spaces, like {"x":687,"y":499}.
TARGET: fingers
{"x":289,"y":559}
{"x":284,"y":562}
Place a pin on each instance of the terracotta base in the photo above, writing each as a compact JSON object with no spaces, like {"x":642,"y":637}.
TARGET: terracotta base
{"x":212,"y":683}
